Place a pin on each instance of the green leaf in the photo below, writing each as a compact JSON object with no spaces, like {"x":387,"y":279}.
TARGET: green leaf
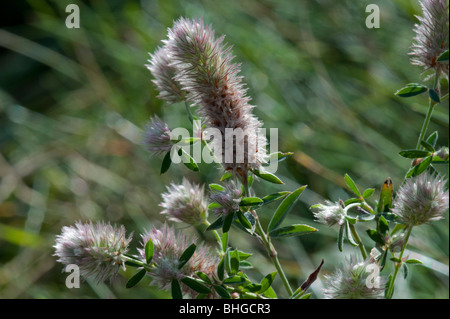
{"x":227,"y":222}
{"x":132,"y":264}
{"x":188,"y":161}
{"x":275,"y":196}
{"x":349,"y":236}
{"x":432,"y":139}
{"x":166,"y":163}
{"x":245,"y":265}
{"x":352,"y":185}
{"x":186,"y":255}
{"x":388,"y":295}
{"x":277,"y":157}
{"x":268,"y":176}
{"x":218,"y":223}
{"x":266,"y":282}
{"x":411,"y":90}
{"x":222,"y":292}
{"x":434,"y":96}
{"x":221,"y":268}
{"x":292,"y":230}
{"x":414,"y":153}
{"x":270,"y":293}
{"x":420,"y":168}
{"x":341,"y":237}
{"x":368,"y":192}
{"x":284,"y":208}
{"x":413,"y":262}
{"x":443,"y":57}
{"x":235,"y":280}
{"x":383,"y":225}
{"x":149,"y":250}
{"x":375,"y":236}
{"x":251,"y":201}
{"x":216,"y":187}
{"x":196,"y":285}
{"x":225,"y":176}
{"x":234,"y":261}
{"x":224,"y":242}
{"x":405,"y":270}
{"x":203,"y":277}
{"x":133,"y":281}
{"x":427,"y":146}
{"x":243,"y":255}
{"x":244,"y":221}
{"x":176,"y":290}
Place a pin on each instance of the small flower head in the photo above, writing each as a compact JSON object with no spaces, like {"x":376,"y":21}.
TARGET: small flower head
{"x":168,"y":248}
{"x":421,"y":199}
{"x":157,"y":136}
{"x":228,"y":199}
{"x":431,"y":38}
{"x":330,"y":213}
{"x":169,"y":89}
{"x":185,"y":203}
{"x":97,"y":249}
{"x":354,"y":281}
{"x":204,"y":69}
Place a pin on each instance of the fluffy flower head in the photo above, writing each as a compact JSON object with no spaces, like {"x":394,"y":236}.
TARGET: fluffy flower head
{"x":421,"y":199}
{"x":97,"y":249}
{"x":185,"y":203}
{"x":353,"y":282}
{"x":330,"y":213}
{"x":431,"y":38}
{"x":157,"y":137}
{"x":228,"y":199}
{"x":169,"y":245}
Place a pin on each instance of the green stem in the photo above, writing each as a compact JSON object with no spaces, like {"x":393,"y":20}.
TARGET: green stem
{"x":267,"y":244}
{"x":219,"y":240}
{"x":358,"y":240}
{"x":390,"y":291}
{"x":426,"y":122}
{"x":273,"y":256}
{"x":138,"y":262}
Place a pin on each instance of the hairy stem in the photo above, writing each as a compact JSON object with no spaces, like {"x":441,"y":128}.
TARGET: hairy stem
{"x":358,"y":240}
{"x":390,"y":291}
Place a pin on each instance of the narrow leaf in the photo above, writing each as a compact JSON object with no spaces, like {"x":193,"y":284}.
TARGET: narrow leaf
{"x":149,"y":250}
{"x":251,"y":201}
{"x":244,"y":221}
{"x":349,"y":236}
{"x":222,"y":292}
{"x":216,"y":187}
{"x":166,"y":163}
{"x":427,"y":146}
{"x":411,"y":90}
{"x":218,"y":223}
{"x":368,"y":192}
{"x":432,"y":139}
{"x":413,"y":262}
{"x":443,"y":57}
{"x":176,"y":290}
{"x":266,"y":282}
{"x":203,"y":277}
{"x":292,"y":230}
{"x":434,"y":96}
{"x":352,"y":185}
{"x":268,"y":176}
{"x":133,"y":281}
{"x":186,"y":255}
{"x":414,"y":153}
{"x":188,"y":161}
{"x":383,"y":225}
{"x":225,"y":176}
{"x":420,"y":168}
{"x":284,"y":207}
{"x":195,"y":285}
{"x":341,"y":238}
{"x":227,"y":222}
{"x":275,"y":196}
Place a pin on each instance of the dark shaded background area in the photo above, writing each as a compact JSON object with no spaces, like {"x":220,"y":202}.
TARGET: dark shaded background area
{"x":73,"y":103}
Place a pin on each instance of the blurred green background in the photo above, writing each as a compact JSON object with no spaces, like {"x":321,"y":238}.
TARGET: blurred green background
{"x":73,"y":103}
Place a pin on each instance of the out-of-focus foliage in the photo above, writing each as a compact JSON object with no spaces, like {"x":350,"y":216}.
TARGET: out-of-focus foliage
{"x":73,"y":103}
